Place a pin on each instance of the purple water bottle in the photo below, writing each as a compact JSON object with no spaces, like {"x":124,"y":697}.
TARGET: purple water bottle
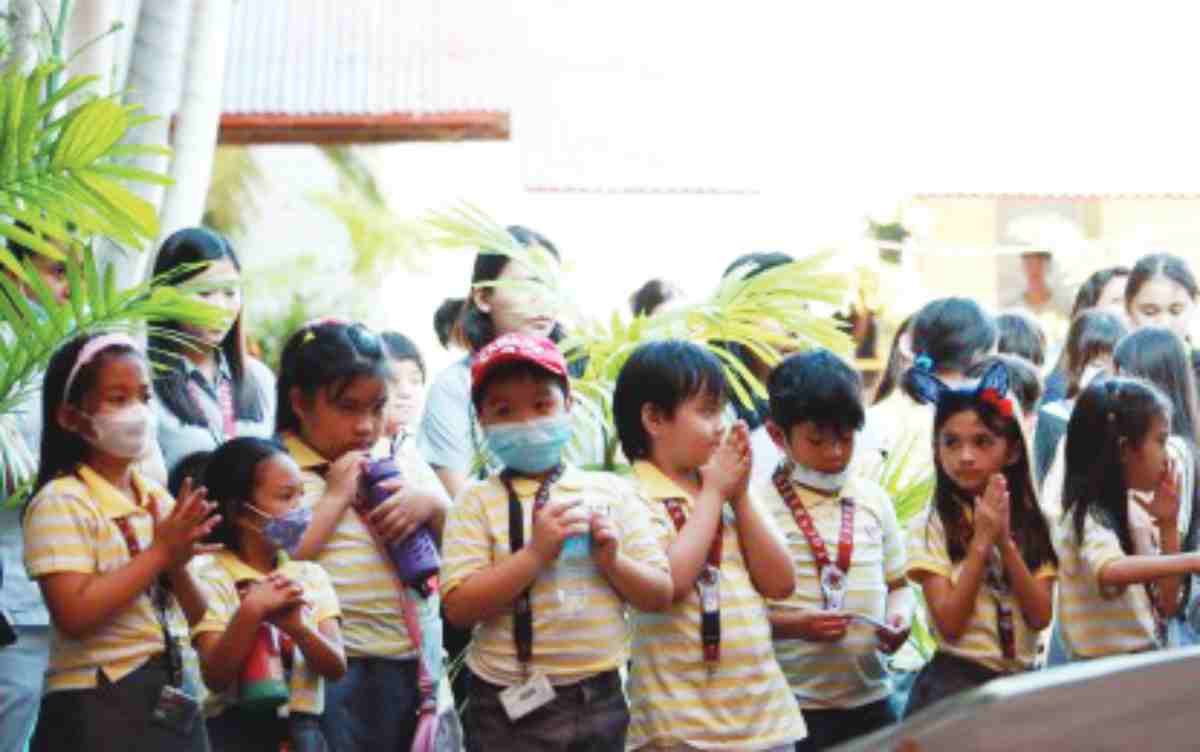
{"x":415,"y":558}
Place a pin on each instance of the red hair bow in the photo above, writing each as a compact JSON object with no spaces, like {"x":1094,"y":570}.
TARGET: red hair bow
{"x":1001,"y":404}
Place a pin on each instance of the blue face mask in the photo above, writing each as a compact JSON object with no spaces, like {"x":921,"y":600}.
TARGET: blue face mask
{"x":286,"y":530}
{"x":530,"y":447}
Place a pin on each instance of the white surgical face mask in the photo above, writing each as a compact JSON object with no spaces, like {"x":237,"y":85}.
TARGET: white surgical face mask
{"x":126,"y":432}
{"x":829,"y":482}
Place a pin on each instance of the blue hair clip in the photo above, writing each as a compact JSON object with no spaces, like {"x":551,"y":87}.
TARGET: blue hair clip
{"x":923,"y":362}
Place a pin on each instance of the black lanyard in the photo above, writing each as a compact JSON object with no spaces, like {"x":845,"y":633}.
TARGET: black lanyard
{"x":522,"y":607}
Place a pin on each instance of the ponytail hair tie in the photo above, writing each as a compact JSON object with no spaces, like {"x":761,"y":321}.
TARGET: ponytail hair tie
{"x":923,"y":362}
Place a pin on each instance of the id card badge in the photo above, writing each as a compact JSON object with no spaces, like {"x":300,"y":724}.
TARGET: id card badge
{"x":523,"y":699}
{"x":833,"y":587}
{"x":176,"y":710}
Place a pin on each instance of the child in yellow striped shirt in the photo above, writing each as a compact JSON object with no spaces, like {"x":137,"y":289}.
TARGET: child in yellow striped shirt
{"x":550,"y":632}
{"x":256,"y":594}
{"x":982,"y":552}
{"x":332,"y":397}
{"x":847,"y":550}
{"x":110,"y":550}
{"x":703,"y":674}
{"x":1121,"y":566}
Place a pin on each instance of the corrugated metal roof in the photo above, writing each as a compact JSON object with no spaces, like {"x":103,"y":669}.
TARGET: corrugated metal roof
{"x":312,"y":59}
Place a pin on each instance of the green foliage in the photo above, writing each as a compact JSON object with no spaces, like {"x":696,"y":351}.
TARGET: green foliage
{"x":893,"y":232}
{"x":62,"y":178}
{"x":36,"y":324}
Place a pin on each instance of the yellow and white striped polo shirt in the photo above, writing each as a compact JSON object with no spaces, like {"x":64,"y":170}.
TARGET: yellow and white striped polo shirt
{"x":567,"y":647}
{"x":69,"y":527}
{"x":980,"y":641}
{"x":218,"y":580}
{"x":675,"y":698}
{"x":832,"y":675}
{"x":372,"y":617}
{"x":1098,"y":621}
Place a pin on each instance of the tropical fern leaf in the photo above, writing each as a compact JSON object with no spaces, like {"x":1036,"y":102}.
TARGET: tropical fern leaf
{"x":63,"y":179}
{"x":35,"y":328}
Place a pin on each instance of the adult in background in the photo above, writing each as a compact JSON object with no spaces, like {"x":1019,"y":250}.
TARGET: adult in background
{"x":207,"y":387}
{"x":1103,"y":290}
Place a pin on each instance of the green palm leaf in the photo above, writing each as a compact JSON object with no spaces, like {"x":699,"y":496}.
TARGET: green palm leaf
{"x":66,"y":175}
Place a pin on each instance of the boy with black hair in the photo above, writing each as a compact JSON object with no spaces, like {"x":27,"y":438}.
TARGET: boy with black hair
{"x":541,"y":559}
{"x":703,"y":674}
{"x":852,"y":602}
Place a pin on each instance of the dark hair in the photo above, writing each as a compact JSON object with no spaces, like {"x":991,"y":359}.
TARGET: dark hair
{"x":951,"y":504}
{"x":1024,"y":381}
{"x":399,"y":347}
{"x":891,"y":374}
{"x":17,"y":249}
{"x":817,"y":387}
{"x":665,"y":374}
{"x":445,"y":317}
{"x":1168,"y":265}
{"x":1160,"y":357}
{"x":1108,"y":411}
{"x":1089,"y":292}
{"x":197,"y":246}
{"x":952,"y":333}
{"x":1020,"y":334}
{"x":515,"y":370}
{"x":61,"y":449}
{"x":749,"y":266}
{"x":230,"y":478}
{"x":1093,"y":334}
{"x":651,"y":295}
{"x":191,"y":466}
{"x":474,"y":328}
{"x":325,"y":354}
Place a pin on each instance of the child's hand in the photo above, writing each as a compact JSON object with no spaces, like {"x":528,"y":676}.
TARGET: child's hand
{"x":556,"y":522}
{"x":991,"y":512}
{"x":290,"y":620}
{"x":399,"y":516}
{"x":823,"y":626}
{"x":272,"y":595}
{"x":1164,"y":505}
{"x":605,"y":541}
{"x":729,"y":467}
{"x":182,"y":531}
{"x":344,"y":475}
{"x":891,"y":640}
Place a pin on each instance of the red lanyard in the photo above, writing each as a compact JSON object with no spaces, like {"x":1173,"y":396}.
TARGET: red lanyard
{"x":832,"y":580}
{"x":1004,"y":611}
{"x":708,"y":584}
{"x":159,"y":596}
{"x":523,"y":607}
{"x":224,"y":402}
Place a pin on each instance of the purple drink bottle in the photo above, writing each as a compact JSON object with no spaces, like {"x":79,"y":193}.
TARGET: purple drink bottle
{"x":415,"y":558}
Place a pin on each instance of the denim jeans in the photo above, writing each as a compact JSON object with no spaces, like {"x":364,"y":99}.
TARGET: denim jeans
{"x":373,"y":708}
{"x":830,"y":727}
{"x":589,"y":716}
{"x":22,"y":673}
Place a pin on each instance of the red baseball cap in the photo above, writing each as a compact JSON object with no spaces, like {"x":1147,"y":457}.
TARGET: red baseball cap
{"x":509,"y":348}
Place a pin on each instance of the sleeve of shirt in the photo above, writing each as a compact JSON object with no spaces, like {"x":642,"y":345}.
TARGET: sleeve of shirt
{"x":895,"y":557}
{"x":177,"y":440}
{"x":466,"y":540}
{"x":322,"y":595}
{"x":1100,"y":548}
{"x":265,"y":380}
{"x":639,"y":538}
{"x":61,"y":535}
{"x":927,"y":546}
{"x":220,"y":597}
{"x":444,"y":438}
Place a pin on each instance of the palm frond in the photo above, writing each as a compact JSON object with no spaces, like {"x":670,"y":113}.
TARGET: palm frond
{"x":64,"y":176}
{"x":35,"y":329}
